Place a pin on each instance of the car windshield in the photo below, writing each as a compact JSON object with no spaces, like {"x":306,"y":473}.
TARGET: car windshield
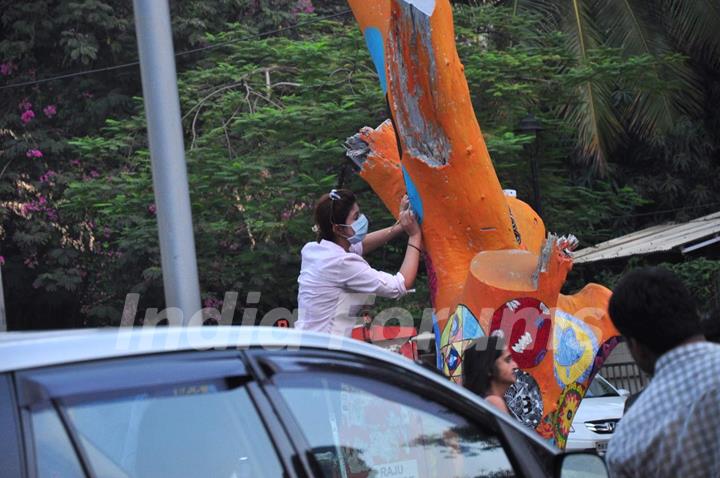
{"x":600,"y":387}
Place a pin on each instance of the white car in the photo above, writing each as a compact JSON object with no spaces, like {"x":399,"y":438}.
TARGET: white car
{"x":235,"y":402}
{"x":597,"y":416}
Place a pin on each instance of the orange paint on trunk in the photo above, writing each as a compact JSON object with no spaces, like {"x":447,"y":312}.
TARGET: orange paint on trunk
{"x":490,"y":254}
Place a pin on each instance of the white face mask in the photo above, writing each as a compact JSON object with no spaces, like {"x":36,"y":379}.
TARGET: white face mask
{"x":359,"y":227}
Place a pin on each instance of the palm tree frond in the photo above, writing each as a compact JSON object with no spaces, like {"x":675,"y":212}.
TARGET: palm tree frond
{"x":632,"y":26}
{"x":649,"y":101}
{"x":597,"y":124}
{"x":582,"y":29}
{"x":654,"y":112}
{"x":695,"y":26}
{"x":548,"y":10}
{"x":598,"y":129}
{"x":636,"y":27}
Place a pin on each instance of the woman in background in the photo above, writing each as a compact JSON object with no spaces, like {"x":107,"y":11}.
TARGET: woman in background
{"x":489,"y":370}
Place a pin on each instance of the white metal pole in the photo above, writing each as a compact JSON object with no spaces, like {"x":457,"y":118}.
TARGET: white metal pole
{"x":3,"y":320}
{"x":172,"y":197}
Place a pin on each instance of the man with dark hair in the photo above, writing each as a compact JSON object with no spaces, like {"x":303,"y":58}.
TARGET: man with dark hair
{"x":711,"y":326}
{"x":673,"y":429}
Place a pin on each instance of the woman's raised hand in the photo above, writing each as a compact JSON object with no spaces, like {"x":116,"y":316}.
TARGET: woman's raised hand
{"x":404,"y":203}
{"x":407,"y":219}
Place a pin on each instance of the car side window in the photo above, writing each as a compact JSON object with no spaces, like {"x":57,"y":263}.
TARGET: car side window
{"x":54,"y":453}
{"x":358,"y":426}
{"x":188,"y":430}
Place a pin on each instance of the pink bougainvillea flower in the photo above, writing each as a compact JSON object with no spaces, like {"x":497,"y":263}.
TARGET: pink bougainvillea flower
{"x":34,"y":153}
{"x":27,"y":116}
{"x":152,"y":209}
{"x":7,"y":68}
{"x":75,"y":162}
{"x":303,"y":6}
{"x":24,"y":105}
{"x":50,"y":111}
{"x":213,"y":303}
{"x":47,"y":177}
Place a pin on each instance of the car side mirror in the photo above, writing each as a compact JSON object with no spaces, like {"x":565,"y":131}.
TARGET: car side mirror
{"x":581,"y":464}
{"x":624,"y":392}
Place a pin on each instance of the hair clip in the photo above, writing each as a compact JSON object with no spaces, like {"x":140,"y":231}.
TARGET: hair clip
{"x":334,"y":195}
{"x":315,"y":229}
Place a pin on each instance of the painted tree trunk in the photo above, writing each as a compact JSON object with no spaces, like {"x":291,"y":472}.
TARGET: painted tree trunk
{"x":492,"y":268}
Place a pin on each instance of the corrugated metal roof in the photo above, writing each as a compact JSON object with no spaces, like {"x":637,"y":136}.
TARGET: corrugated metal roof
{"x":655,"y":239}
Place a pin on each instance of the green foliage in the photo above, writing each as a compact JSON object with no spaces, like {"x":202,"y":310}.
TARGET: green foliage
{"x":265,"y":122}
{"x":265,"y":125}
{"x":513,"y":66}
{"x":702,"y":277}
{"x":37,"y":162}
{"x":657,"y":29}
{"x":678,"y":172}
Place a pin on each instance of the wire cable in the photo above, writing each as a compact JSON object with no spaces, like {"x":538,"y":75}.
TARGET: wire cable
{"x":178,"y":54}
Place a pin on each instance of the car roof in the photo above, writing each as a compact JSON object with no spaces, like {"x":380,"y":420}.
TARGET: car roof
{"x":24,"y":350}
{"x":28,"y":350}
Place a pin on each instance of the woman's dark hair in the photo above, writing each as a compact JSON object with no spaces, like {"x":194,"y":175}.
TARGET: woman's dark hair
{"x":479,"y":363}
{"x":329,"y":211}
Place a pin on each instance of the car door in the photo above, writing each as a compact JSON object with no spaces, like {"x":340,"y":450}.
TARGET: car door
{"x":179,"y":414}
{"x":11,"y":462}
{"x":356,"y":417}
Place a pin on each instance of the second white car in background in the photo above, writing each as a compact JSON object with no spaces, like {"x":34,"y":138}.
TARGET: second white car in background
{"x":597,"y":416}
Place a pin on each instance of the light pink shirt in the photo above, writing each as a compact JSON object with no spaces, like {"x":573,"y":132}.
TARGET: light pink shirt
{"x":335,"y":284}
